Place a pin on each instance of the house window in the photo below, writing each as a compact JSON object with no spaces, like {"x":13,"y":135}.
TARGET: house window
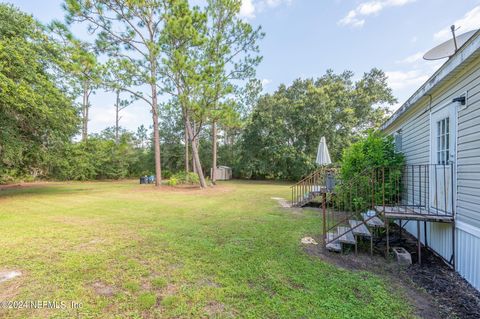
{"x":398,"y":141}
{"x":443,"y":141}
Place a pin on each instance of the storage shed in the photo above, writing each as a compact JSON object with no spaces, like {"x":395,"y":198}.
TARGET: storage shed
{"x":223,"y":173}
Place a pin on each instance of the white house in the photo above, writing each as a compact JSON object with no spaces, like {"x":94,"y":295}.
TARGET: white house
{"x":440,"y":125}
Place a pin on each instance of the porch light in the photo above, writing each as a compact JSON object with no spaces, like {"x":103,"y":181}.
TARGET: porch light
{"x":460,"y":99}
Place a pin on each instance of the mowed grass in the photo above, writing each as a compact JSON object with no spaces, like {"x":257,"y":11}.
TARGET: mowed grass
{"x":125,"y":250}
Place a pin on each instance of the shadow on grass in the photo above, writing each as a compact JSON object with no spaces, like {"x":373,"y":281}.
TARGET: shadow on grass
{"x":88,"y":187}
{"x":258,"y":182}
{"x":28,"y":189}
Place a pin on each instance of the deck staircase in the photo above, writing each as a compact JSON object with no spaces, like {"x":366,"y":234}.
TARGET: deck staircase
{"x":363,"y":207}
{"x":351,"y":232}
{"x":344,"y":225}
{"x":311,"y":187}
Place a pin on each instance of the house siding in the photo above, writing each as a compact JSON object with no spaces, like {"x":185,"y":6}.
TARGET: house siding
{"x":468,"y":151}
{"x":415,"y":127}
{"x":468,"y":256}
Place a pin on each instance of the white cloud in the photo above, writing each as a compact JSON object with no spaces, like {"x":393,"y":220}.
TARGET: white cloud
{"x":369,"y":8}
{"x":250,"y":7}
{"x":470,"y":21}
{"x":102,"y":113}
{"x":411,"y":59}
{"x":247,"y":10}
{"x":395,"y":107}
{"x":266,"y":82}
{"x":414,"y":73}
{"x":352,"y":20}
{"x":274,"y":3}
{"x":400,"y":80}
{"x":356,"y":17}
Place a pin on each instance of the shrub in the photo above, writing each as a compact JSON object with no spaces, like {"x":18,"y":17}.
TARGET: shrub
{"x":376,"y":150}
{"x":191,"y":178}
{"x":166,"y":173}
{"x":173,"y":181}
{"x":183,"y":178}
{"x":360,"y":161}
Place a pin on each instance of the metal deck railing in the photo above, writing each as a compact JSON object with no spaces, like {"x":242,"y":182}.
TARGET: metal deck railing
{"x":375,"y":196}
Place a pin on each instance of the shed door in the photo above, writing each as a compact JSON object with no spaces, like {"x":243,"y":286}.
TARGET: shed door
{"x":443,"y":126}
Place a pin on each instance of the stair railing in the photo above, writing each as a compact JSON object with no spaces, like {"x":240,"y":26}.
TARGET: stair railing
{"x":310,"y":186}
{"x":373,"y":189}
{"x":346,"y":202}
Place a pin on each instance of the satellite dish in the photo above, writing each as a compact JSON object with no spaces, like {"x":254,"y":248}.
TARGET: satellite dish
{"x":448,"y":48}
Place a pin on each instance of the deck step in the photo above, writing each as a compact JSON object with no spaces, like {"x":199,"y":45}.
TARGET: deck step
{"x":334,"y":245}
{"x":373,"y":221}
{"x":359,"y":228}
{"x":305,"y":199}
{"x":347,"y":237}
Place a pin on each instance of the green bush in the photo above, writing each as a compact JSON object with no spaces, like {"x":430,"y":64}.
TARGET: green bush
{"x":191,"y":178}
{"x":173,"y":181}
{"x":166,"y":173}
{"x":371,"y":158}
{"x":183,"y":178}
{"x":376,"y":150}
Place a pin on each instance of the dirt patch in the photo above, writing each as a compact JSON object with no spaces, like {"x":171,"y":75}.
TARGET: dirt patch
{"x":146,"y":285}
{"x":9,"y":275}
{"x":286,"y":205}
{"x":207,"y":282}
{"x":184,"y":189}
{"x":75,"y":220}
{"x":10,"y":284}
{"x":10,"y":186}
{"x":103,"y":289}
{"x":22,"y":185}
{"x":170,"y":290}
{"x":175,"y":266}
{"x":282,"y":202}
{"x":215,"y":309}
{"x":454,"y":294}
{"x":91,"y":245}
{"x":434,"y":289}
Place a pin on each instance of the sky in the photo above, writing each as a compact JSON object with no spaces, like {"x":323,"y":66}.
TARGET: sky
{"x":304,"y":38}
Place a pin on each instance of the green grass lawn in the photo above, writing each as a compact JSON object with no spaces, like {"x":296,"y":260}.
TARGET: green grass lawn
{"x":125,"y":250}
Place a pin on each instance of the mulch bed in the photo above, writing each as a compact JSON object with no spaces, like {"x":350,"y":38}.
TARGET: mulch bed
{"x":434,"y":288}
{"x":453,"y":294}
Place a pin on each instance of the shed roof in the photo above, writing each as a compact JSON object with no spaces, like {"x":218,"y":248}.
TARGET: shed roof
{"x":454,"y":64}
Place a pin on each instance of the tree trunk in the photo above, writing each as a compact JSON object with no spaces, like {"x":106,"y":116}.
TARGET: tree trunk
{"x":187,"y":168}
{"x":156,"y":137}
{"x":85,"y":113}
{"x":117,"y":118}
{"x":196,"y":158}
{"x":193,"y":141}
{"x":214,"y":152}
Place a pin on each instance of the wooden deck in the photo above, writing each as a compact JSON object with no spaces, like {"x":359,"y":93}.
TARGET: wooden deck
{"x":413,"y":213}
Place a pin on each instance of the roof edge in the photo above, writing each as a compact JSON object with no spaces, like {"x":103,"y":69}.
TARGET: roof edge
{"x":462,"y":55}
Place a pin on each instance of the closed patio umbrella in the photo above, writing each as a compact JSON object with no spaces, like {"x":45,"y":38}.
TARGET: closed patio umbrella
{"x":323,"y":159}
{"x":323,"y":156}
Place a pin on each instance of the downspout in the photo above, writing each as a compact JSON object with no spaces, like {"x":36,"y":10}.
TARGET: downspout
{"x":428,"y":203}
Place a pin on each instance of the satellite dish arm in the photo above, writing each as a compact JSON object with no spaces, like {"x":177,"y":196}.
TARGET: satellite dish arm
{"x":454,"y":37}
